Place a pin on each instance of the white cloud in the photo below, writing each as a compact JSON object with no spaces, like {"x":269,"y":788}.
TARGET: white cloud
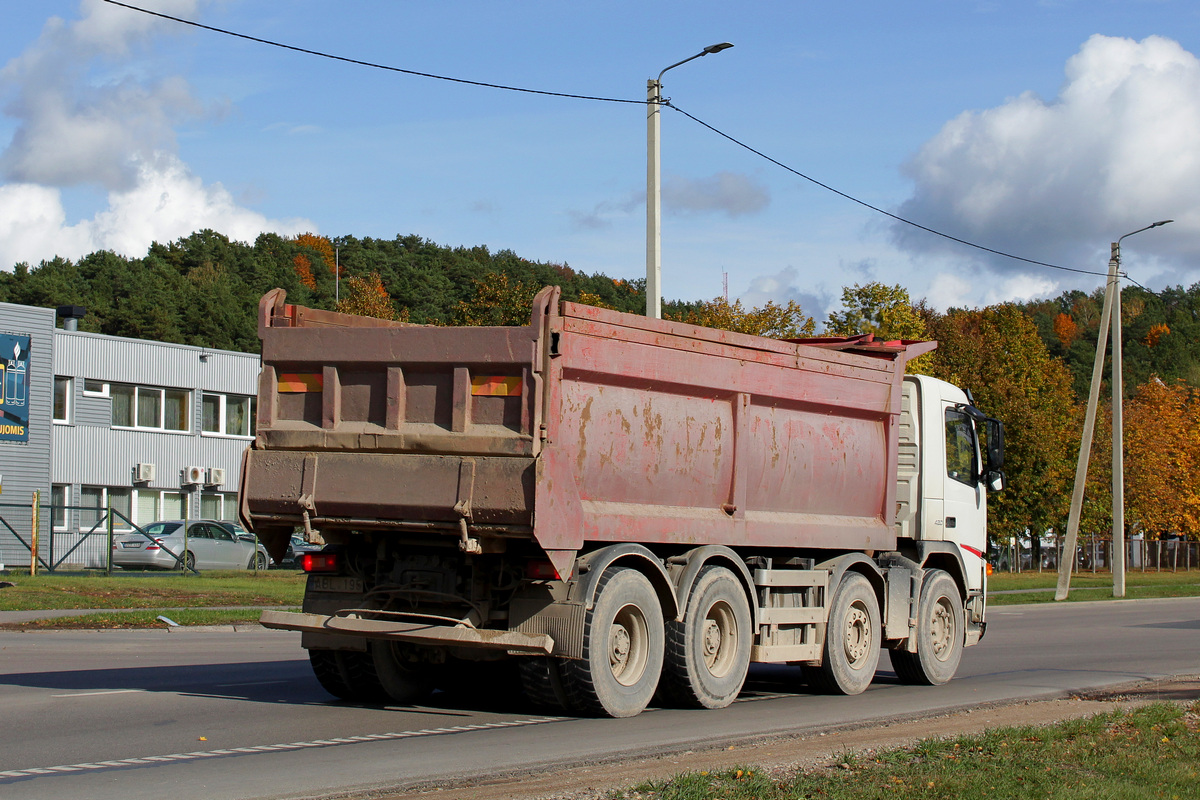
{"x":1056,"y":181}
{"x":782,"y":287}
{"x":725,"y":192}
{"x":87,"y":116}
{"x":166,"y":202}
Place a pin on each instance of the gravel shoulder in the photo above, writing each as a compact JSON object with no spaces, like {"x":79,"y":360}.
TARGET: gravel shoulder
{"x":794,"y":753}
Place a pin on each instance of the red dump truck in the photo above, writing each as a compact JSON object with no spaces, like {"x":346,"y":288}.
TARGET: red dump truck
{"x":621,"y":508}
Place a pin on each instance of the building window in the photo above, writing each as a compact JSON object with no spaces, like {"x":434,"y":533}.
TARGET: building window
{"x":153,"y":505}
{"x":62,"y":398}
{"x":148,"y":408}
{"x":58,"y":505}
{"x":96,"y":500}
{"x":218,"y":505}
{"x":94,"y":388}
{"x":228,"y":414}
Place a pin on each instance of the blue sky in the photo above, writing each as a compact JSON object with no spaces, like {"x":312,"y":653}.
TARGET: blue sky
{"x":1044,"y":129}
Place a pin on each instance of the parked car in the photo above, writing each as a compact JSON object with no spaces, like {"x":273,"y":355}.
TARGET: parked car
{"x":295,"y":549}
{"x":211,"y":544}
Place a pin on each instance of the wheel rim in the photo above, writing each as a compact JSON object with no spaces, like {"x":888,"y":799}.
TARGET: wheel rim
{"x":719,"y":639}
{"x":858,"y":642}
{"x":628,"y":645}
{"x":189,"y":561}
{"x":941,"y":629}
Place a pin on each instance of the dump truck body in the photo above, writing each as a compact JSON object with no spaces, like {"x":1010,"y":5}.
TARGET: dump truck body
{"x":479,"y":485}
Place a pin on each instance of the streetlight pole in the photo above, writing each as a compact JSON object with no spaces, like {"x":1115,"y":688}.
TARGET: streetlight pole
{"x":1112,"y":310}
{"x":653,"y":185}
{"x":1118,"y":459}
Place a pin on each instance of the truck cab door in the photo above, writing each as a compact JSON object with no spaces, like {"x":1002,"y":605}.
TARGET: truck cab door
{"x":964,"y":508}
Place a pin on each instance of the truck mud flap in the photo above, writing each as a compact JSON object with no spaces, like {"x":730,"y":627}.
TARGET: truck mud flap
{"x":415,"y":632}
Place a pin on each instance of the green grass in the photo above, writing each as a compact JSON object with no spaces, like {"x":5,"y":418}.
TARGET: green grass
{"x":151,"y":591}
{"x":1151,"y":752}
{"x":141,"y":619}
{"x":1090,"y":586}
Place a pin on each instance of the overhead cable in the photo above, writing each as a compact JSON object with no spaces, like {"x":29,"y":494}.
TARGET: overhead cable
{"x":370,"y":64}
{"x":865,"y":204}
{"x":665,"y":102}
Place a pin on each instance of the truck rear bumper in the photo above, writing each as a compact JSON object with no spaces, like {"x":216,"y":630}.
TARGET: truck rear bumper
{"x":414,"y":632}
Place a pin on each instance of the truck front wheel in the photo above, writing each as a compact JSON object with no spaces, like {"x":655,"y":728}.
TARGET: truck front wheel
{"x":708,"y":654}
{"x":941,"y":630}
{"x":622,"y":647}
{"x":851,"y":651}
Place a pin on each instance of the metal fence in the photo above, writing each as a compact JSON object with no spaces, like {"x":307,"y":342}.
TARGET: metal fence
{"x":1094,"y":553}
{"x":26,"y":528}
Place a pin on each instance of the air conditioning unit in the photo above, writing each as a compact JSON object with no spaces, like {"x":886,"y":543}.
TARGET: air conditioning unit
{"x":143,"y":473}
{"x":216,"y":476}
{"x":193,"y":475}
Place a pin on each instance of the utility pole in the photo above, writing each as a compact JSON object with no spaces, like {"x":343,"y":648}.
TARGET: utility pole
{"x":1112,"y":311}
{"x":654,"y":187}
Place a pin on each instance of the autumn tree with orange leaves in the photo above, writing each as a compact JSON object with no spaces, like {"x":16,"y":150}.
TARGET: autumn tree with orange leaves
{"x":776,"y":321}
{"x":996,"y":352}
{"x":367,"y":297}
{"x":1162,"y":459}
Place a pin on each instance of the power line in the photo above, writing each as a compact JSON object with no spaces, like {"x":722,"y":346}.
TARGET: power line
{"x":370,"y":64}
{"x":865,"y":204}
{"x":568,"y":95}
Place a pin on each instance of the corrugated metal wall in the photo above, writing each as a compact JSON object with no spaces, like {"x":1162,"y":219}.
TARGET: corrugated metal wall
{"x":25,"y":466}
{"x":90,"y":452}
{"x":87,"y":451}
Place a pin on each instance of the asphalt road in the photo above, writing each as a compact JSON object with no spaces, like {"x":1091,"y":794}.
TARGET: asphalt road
{"x":220,"y":714}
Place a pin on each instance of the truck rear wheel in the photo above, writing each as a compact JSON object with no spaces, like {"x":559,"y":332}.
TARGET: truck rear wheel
{"x":325,"y":667}
{"x":347,"y":675}
{"x":542,"y":682}
{"x":403,"y":680}
{"x":358,"y":671}
{"x":851,"y":651}
{"x":622,"y":647}
{"x":708,"y":654}
{"x":941,"y":632}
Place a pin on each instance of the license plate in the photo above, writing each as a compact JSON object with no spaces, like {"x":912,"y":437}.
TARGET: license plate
{"x":335,"y":583}
{"x":131,"y":545}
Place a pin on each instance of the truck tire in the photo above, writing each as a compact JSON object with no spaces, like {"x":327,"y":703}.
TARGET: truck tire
{"x":941,"y":633}
{"x":622,"y":647}
{"x":708,"y":654}
{"x":325,"y":667}
{"x":402,"y":681}
{"x":542,"y":683}
{"x":360,"y":677}
{"x":851,"y":651}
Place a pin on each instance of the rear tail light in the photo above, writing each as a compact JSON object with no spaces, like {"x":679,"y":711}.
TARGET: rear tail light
{"x":540,"y":571}
{"x":319,"y":562}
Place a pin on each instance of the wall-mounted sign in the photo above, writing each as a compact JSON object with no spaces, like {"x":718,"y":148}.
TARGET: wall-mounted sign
{"x":14,"y":388}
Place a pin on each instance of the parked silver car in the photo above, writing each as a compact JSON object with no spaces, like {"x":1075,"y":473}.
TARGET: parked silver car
{"x":210,"y":544}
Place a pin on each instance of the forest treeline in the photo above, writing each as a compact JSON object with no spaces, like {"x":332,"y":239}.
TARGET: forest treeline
{"x":1028,"y":364}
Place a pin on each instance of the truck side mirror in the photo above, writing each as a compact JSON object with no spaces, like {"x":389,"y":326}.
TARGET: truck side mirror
{"x":994,"y":431}
{"x":996,"y":481}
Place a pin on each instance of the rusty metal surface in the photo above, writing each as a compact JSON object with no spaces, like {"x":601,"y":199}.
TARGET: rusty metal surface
{"x":415,"y":632}
{"x":364,"y":485}
{"x":588,"y":424}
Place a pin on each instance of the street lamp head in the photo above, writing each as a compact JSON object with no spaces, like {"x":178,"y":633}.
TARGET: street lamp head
{"x":716,"y":48}
{"x":1162,"y":222}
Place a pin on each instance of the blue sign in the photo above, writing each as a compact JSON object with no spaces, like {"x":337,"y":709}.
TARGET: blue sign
{"x":14,"y":388}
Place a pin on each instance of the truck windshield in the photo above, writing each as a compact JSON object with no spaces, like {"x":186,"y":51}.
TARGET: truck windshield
{"x":960,"y":447}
